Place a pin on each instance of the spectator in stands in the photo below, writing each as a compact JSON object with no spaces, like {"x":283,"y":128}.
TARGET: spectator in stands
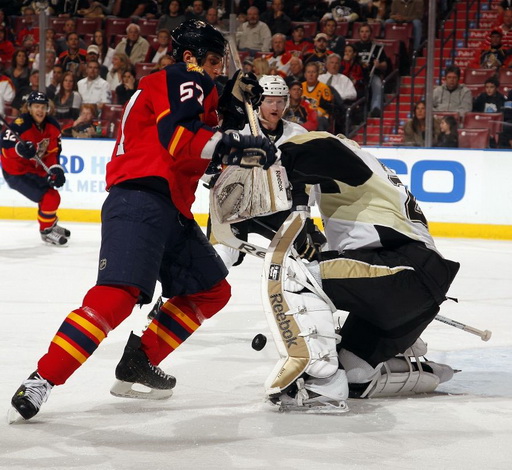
{"x":375,"y":65}
{"x":414,"y":129}
{"x":133,"y":45}
{"x":129,"y":8}
{"x":335,"y":43}
{"x":341,"y":84}
{"x":212,"y":17}
{"x":253,"y":35}
{"x":448,"y":137}
{"x":343,"y":10}
{"x":93,"y":88}
{"x":67,"y":101}
{"x":409,"y":11}
{"x":93,"y":53}
{"x":297,"y":45}
{"x":172,"y":19}
{"x":97,"y":9}
{"x":127,"y":88}
{"x":55,"y":82}
{"x":491,"y":100}
{"x":86,"y":125}
{"x":29,"y":33}
{"x":7,"y":92}
{"x":244,"y":5}
{"x":62,"y":43}
{"x":506,"y":31}
{"x":261,"y":67}
{"x":317,"y":94}
{"x":299,"y":110}
{"x":351,"y":67}
{"x":248,"y":65}
{"x":22,"y":93}
{"x":279,"y":59}
{"x":6,"y":48}
{"x":493,"y":56}
{"x":196,"y":11}
{"x":120,"y":64}
{"x":319,"y":53}
{"x":74,"y":58}
{"x":19,"y":71}
{"x":276,"y":19}
{"x":296,"y":73}
{"x":49,"y":62}
{"x":452,"y":96}
{"x":106,"y":52}
{"x":51,"y":45}
{"x":161,"y":48}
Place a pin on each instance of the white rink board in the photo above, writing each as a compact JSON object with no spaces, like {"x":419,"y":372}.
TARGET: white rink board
{"x":452,"y":186}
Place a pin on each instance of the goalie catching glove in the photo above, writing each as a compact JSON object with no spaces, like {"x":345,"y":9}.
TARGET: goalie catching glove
{"x":309,"y":241}
{"x":246,"y":151}
{"x":56,"y":177}
{"x":231,"y":103}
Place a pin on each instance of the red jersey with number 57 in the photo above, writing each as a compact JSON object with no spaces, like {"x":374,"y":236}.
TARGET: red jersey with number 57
{"x":164,"y":128}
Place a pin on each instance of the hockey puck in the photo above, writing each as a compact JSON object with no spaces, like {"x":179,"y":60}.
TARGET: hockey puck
{"x":259,"y":342}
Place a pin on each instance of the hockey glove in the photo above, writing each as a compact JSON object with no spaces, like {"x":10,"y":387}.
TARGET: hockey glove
{"x":56,"y":178}
{"x":246,"y":151}
{"x":231,"y":103}
{"x":310,"y":241}
{"x":26,"y":149}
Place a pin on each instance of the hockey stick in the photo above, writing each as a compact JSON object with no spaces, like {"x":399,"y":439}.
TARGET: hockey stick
{"x":37,"y":158}
{"x":484,"y":335}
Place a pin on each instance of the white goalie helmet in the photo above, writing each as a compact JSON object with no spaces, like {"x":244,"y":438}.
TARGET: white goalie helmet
{"x":274,"y":85}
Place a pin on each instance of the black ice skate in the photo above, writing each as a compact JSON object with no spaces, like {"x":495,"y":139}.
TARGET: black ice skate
{"x":53,"y":237}
{"x":138,"y":378}
{"x":28,"y":399}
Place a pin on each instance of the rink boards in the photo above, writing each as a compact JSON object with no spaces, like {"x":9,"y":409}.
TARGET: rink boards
{"x":463,"y":193}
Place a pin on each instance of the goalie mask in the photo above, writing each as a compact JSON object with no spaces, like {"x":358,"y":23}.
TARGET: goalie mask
{"x":197,"y":37}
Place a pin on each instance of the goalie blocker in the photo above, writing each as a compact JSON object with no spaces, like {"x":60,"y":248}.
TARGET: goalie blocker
{"x":307,"y":377}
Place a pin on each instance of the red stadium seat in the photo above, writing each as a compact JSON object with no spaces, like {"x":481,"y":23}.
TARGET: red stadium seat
{"x":87,"y":25}
{"x":310,"y":27}
{"x":143,"y":68}
{"x":115,"y":26}
{"x":342,"y":28}
{"x":147,"y":26}
{"x":474,"y":138}
{"x":111,"y":112}
{"x":441,"y":114}
{"x":57,"y":24}
{"x":376,"y":29}
{"x":476,"y":89}
{"x":477,"y":76}
{"x":491,"y":121}
{"x":399,"y":32}
{"x":505,"y":77}
{"x":21,"y":21}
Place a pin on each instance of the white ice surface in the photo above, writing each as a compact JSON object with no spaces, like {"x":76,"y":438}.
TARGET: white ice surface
{"x":217,"y":418}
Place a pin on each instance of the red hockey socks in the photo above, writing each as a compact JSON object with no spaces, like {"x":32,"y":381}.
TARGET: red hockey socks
{"x":48,"y":205}
{"x":179,"y":317}
{"x":104,"y":308}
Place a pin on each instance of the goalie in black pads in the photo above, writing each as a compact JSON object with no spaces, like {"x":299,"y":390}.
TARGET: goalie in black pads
{"x":380,"y":265}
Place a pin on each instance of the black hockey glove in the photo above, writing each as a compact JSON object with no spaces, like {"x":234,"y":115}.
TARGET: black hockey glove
{"x":26,"y":149}
{"x":231,"y":103}
{"x":246,"y":151}
{"x":310,"y":241}
{"x":56,"y":178}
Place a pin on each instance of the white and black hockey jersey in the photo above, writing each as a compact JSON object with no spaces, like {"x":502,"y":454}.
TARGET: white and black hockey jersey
{"x":363,"y":204}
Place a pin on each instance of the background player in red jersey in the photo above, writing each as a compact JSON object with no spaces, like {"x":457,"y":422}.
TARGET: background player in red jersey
{"x":41,"y":135}
{"x":165,"y":143}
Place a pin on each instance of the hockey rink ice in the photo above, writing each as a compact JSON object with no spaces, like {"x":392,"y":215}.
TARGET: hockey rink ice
{"x":217,"y":417}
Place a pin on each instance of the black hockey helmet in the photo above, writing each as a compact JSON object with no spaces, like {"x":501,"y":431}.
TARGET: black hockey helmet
{"x":197,"y":37}
{"x":37,"y":97}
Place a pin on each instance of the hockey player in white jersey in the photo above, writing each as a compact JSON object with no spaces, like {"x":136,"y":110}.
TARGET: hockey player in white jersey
{"x":380,"y":265}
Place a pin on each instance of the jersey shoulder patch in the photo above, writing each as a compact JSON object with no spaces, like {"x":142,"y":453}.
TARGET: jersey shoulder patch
{"x":19,"y":121}
{"x":195,"y":68}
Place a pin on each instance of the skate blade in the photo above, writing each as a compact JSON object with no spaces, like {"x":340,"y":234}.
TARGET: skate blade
{"x":13,"y":416}
{"x":135,"y":390}
{"x":321,"y":409}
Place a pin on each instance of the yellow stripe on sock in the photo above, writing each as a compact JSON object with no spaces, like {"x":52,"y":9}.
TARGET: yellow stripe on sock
{"x":163,"y":335}
{"x":183,"y":318}
{"x":71,"y":350}
{"x":90,"y":327}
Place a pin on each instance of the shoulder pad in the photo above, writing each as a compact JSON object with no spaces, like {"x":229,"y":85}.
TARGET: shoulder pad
{"x":195,"y":68}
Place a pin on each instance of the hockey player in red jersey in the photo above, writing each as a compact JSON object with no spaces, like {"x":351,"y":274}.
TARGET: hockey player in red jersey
{"x":22,"y":172}
{"x":165,"y":143}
